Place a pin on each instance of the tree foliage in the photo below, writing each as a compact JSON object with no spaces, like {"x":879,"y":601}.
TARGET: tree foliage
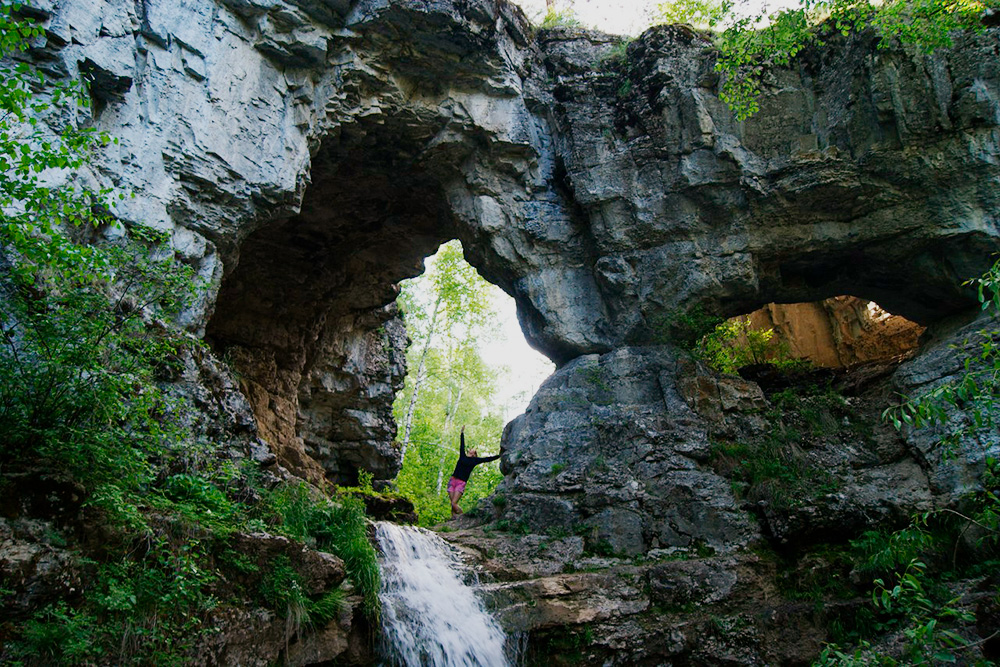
{"x":448,"y":314}
{"x":80,"y":349}
{"x":753,"y":40}
{"x":735,"y":343}
{"x":702,"y":14}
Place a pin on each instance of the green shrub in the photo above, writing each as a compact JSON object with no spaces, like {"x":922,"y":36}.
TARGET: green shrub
{"x":909,"y":595}
{"x":684,"y":328}
{"x":734,"y":343}
{"x":770,"y":469}
{"x":143,"y":608}
{"x":58,"y":635}
{"x":281,"y":589}
{"x":339,"y":527}
{"x":326,"y":607}
{"x":560,"y":18}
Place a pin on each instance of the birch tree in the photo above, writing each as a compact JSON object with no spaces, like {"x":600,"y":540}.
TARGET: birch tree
{"x":448,"y":313}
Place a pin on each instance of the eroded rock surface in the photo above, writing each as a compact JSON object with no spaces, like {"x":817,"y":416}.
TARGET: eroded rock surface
{"x":839,"y":331}
{"x":608,"y":446}
{"x":305,"y":156}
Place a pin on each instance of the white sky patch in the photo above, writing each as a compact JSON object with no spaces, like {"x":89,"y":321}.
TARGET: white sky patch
{"x":631,"y":17}
{"x":526,"y":368}
{"x":618,"y":17}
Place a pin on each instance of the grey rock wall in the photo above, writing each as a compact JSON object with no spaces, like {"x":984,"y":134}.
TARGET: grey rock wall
{"x":304,"y":156}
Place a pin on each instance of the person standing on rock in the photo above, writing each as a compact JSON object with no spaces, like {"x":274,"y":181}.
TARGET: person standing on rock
{"x":456,"y":485}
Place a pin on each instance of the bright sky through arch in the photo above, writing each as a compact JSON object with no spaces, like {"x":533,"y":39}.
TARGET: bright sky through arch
{"x":522,"y":369}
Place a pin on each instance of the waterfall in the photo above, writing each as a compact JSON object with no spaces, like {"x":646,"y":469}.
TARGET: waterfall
{"x":430,"y":617}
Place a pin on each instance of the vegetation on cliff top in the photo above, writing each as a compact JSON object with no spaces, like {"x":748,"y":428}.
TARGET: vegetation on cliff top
{"x":755,"y":37}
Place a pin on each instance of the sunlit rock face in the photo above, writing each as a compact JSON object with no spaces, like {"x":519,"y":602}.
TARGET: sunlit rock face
{"x":837,"y":332}
{"x":304,"y":156}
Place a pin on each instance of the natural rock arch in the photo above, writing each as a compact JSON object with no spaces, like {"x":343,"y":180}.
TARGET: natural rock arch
{"x":308,"y":314}
{"x":605,"y":215}
{"x":606,"y":196}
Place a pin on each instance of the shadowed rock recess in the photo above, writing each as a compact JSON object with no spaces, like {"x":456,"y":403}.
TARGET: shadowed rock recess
{"x":306,"y":155}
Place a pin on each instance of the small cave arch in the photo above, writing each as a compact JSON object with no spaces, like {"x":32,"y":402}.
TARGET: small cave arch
{"x":838,"y":332}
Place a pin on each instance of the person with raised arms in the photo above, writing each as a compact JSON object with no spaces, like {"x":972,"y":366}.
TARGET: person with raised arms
{"x":463,"y":469}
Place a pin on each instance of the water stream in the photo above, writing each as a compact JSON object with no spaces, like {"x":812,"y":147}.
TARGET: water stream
{"x":430,"y":617}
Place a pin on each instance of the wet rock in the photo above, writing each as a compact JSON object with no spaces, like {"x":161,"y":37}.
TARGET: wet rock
{"x":388,"y":507}
{"x":953,"y":465}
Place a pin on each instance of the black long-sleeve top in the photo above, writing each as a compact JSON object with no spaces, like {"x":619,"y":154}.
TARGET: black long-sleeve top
{"x":466,"y":463}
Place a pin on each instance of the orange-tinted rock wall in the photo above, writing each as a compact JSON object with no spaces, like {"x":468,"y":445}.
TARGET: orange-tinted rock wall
{"x":840,"y":331}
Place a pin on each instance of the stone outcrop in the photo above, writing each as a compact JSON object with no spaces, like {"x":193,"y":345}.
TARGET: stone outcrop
{"x":609,"y":446}
{"x":674,"y":607}
{"x":305,"y":156}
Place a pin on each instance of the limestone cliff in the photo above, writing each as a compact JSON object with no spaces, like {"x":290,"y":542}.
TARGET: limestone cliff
{"x":306,"y":155}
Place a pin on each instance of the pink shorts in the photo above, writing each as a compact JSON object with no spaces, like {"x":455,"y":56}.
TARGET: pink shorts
{"x":455,"y":484}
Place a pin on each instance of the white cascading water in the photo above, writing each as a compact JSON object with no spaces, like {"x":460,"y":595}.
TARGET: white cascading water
{"x":430,"y":618}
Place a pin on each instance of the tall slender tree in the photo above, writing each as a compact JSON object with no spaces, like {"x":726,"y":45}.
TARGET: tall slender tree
{"x":460,"y":307}
{"x":448,"y":313}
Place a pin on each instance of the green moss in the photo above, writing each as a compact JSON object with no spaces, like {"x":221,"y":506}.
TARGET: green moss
{"x":771,"y":469}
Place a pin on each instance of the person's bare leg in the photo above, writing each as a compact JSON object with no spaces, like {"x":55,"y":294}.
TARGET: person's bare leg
{"x":453,"y":496}
{"x":458,"y":496}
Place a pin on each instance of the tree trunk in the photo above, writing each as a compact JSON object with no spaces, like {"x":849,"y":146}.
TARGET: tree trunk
{"x":408,"y":422}
{"x":452,"y":407}
{"x":441,"y":470}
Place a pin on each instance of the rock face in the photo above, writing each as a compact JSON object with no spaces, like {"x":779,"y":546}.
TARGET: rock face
{"x":305,"y":156}
{"x":681,"y":609}
{"x":608,"y":446}
{"x":840,"y":331}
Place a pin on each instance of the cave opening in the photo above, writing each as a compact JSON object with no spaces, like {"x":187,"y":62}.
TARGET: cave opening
{"x":307,"y":312}
{"x":470,"y":371}
{"x":840,"y":331}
